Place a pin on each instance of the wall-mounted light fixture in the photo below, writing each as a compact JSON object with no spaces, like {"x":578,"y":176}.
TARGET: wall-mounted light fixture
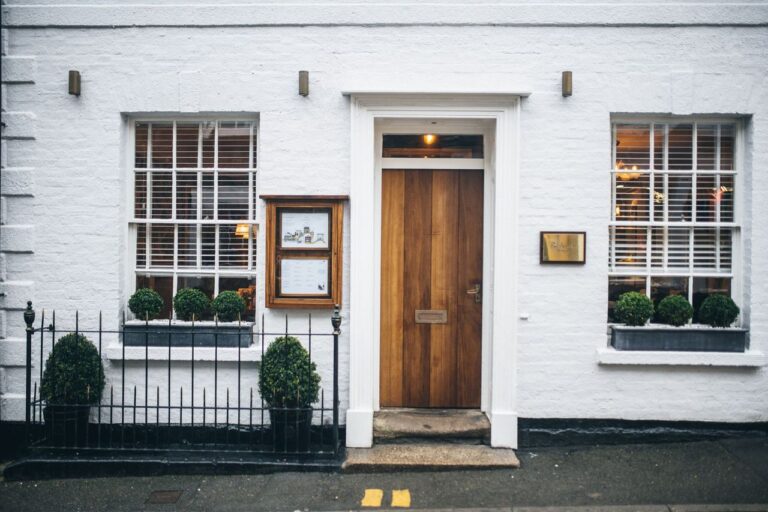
{"x":567,"y":83}
{"x":74,"y":82}
{"x":304,"y":83}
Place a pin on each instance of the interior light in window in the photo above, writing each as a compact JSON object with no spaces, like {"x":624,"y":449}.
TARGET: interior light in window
{"x":429,"y":139}
{"x":242,"y":230}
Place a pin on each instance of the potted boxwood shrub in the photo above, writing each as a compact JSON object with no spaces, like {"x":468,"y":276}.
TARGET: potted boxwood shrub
{"x":146,"y":304}
{"x":73,"y":381}
{"x":289,"y":384}
{"x":228,"y":306}
{"x":676,"y":333}
{"x":190,"y":305}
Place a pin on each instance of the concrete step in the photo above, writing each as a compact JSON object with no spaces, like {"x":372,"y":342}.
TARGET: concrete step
{"x":440,"y":424}
{"x":428,"y":456}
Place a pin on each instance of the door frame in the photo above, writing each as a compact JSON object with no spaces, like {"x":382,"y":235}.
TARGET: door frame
{"x":439,"y":126}
{"x":498,"y":116}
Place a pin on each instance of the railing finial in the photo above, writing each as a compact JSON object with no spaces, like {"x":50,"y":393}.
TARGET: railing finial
{"x":29,"y":316}
{"x":336,"y":320}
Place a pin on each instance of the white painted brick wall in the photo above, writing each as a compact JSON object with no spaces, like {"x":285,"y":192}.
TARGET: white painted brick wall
{"x":77,"y":159}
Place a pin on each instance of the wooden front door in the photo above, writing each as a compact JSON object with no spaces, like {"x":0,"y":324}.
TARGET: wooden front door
{"x":431,"y":262}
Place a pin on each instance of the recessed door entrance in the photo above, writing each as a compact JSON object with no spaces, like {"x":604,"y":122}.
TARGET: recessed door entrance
{"x":431,"y":288}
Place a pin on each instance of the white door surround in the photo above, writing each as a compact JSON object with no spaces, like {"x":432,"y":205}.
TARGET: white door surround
{"x":497,"y":118}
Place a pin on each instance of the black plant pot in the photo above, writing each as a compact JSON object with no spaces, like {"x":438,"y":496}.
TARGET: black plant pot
{"x":291,"y":429}
{"x":66,"y":425}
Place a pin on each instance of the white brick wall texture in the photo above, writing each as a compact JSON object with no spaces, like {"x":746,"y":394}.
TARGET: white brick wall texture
{"x":65,"y":176}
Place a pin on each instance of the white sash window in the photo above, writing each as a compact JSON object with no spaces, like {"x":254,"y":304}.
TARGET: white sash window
{"x":194,"y":217}
{"x":674,"y":223}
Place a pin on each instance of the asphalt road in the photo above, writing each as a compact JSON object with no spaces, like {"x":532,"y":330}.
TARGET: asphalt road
{"x":726,"y":472}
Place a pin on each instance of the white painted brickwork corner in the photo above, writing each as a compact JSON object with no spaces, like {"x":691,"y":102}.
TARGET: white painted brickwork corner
{"x":19,"y":70}
{"x":67,"y":157}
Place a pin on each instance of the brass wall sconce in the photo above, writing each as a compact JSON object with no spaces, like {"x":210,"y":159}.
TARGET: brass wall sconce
{"x":304,"y":83}
{"x":567,"y":83}
{"x":74,"y":82}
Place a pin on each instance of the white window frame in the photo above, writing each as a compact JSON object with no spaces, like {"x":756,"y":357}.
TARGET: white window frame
{"x":736,"y":226}
{"x":175,"y":271}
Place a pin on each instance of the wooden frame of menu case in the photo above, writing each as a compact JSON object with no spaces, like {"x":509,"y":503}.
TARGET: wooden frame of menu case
{"x":275,"y":252}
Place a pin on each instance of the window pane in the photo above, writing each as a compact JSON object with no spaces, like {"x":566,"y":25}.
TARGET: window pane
{"x":678,"y":247}
{"x":140,"y":194}
{"x":162,"y":145}
{"x":208,"y":245}
{"x":432,"y":146}
{"x":706,"y":198}
{"x":233,"y":196}
{"x":664,"y":286}
{"x":187,"y":245}
{"x":140,"y":149}
{"x":161,"y":254}
{"x":233,"y":245}
{"x":162,"y":285}
{"x":246,"y":288}
{"x":724,"y":197}
{"x":706,"y":147}
{"x":633,"y":149}
{"x":207,"y":206}
{"x":162,"y":194}
{"x":712,"y":249}
{"x":726,"y":147}
{"x":658,"y":251}
{"x":186,"y":144}
{"x":703,"y":287}
{"x":659,"y":144}
{"x":234,"y":143}
{"x":203,"y":283}
{"x":186,"y":195}
{"x":632,"y":196}
{"x":629,"y":247}
{"x":659,"y":197}
{"x":679,"y":200}
{"x":141,"y":246}
{"x":726,"y":251}
{"x":680,"y":147}
{"x":209,"y":142}
{"x":622,"y":284}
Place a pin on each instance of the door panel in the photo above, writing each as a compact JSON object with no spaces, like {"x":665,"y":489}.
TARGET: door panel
{"x":432,"y":236}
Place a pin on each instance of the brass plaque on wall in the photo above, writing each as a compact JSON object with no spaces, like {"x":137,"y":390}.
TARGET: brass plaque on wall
{"x":431,"y":316}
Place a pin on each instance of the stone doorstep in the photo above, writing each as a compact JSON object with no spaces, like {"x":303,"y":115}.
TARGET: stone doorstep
{"x":430,"y":423}
{"x":432,"y":456}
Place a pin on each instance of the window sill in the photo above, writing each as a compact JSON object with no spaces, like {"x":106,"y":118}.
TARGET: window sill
{"x":250,"y":354}
{"x":748,"y":359}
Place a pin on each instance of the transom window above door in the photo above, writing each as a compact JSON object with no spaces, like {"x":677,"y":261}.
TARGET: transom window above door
{"x":674,"y":225}
{"x":194,"y":208}
{"x":432,"y":145}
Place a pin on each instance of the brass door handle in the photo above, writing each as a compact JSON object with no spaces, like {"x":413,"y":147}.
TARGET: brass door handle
{"x":477,"y":292}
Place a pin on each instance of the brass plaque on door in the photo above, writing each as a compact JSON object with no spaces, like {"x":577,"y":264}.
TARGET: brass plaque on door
{"x":431,"y":316}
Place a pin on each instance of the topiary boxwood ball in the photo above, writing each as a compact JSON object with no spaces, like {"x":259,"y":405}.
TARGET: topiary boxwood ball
{"x":287,"y":377}
{"x":228,"y":306}
{"x":190,"y":303}
{"x":633,"y":308}
{"x":146,"y":304}
{"x":718,"y":311}
{"x":675,"y":310}
{"x":73,"y":373}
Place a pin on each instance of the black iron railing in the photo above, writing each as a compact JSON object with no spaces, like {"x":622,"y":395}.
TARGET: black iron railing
{"x":178,"y":402}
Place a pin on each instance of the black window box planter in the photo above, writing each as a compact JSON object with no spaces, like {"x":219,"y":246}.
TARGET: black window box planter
{"x":683,"y":339}
{"x":205,"y":334}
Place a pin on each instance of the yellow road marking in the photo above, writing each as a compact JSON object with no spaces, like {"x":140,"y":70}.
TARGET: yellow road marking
{"x":401,"y":498}
{"x":372,"y":498}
